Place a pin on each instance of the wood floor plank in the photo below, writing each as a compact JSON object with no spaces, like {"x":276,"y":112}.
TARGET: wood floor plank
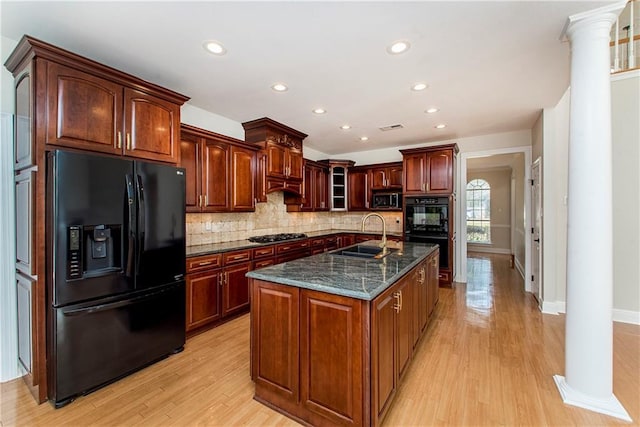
{"x":488,"y":358}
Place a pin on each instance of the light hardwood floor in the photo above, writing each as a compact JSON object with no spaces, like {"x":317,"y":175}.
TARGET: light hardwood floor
{"x":488,"y":358}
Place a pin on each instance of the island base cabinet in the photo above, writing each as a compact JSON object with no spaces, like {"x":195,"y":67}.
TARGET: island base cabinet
{"x":274,"y":344}
{"x":307,"y":354}
{"x":324,"y":359}
{"x":332,"y":363}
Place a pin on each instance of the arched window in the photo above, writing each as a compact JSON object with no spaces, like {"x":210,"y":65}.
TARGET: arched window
{"x":478,"y":211}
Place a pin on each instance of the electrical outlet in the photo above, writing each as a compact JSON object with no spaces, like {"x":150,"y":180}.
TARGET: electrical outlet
{"x":207,"y":225}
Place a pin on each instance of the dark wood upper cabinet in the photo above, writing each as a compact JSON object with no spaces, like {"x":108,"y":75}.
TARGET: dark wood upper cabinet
{"x":429,"y":170}
{"x":280,"y":165}
{"x":92,"y":113}
{"x":152,"y":127}
{"x":219,"y":170}
{"x":215,"y":175}
{"x":414,"y":173}
{"x":243,"y":172}
{"x":386,"y":176}
{"x":315,"y":193}
{"x":440,"y":171}
{"x":85,"y":111}
{"x":190,"y":160}
{"x":358,"y":191}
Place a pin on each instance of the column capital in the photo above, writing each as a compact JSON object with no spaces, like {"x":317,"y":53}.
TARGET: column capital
{"x":605,"y":15}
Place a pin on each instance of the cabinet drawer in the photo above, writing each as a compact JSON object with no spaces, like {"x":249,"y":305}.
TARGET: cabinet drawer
{"x":444,"y":276}
{"x":317,"y":242}
{"x":330,"y":241}
{"x":263,"y":263}
{"x":235,"y":257}
{"x":202,"y":263}
{"x":293,"y":246}
{"x":264,"y":252}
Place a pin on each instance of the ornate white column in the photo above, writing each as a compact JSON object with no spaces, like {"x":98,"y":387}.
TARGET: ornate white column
{"x":589,"y":325}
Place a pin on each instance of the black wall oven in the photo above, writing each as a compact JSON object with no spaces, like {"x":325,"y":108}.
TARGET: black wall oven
{"x":427,"y":221}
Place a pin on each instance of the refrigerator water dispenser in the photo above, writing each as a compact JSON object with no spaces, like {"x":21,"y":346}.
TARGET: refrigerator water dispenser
{"x":102,"y":249}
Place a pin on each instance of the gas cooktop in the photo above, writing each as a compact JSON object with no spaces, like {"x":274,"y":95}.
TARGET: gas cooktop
{"x":268,"y":238}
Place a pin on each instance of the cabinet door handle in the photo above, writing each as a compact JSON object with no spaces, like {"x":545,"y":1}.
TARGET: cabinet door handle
{"x":423,"y":187}
{"x":119,"y":139}
{"x":400,"y":300}
{"x":206,"y":200}
{"x":220,"y":279}
{"x":128,"y":141}
{"x":200,"y":200}
{"x":397,"y":306}
{"x":205,"y":263}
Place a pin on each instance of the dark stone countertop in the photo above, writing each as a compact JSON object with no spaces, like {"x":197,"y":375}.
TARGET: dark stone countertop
{"x":213,"y":248}
{"x":359,"y":278}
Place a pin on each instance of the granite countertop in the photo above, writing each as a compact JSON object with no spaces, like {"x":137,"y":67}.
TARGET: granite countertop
{"x":359,"y":278}
{"x":213,"y":248}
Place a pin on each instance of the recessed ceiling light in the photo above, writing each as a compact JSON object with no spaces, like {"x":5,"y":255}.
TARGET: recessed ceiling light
{"x":432,"y":110}
{"x":345,"y":127}
{"x":319,"y":111}
{"x":215,"y":47}
{"x":279,"y":87}
{"x":440,"y":126}
{"x":419,"y":86}
{"x":398,"y":47}
{"x":364,"y":138}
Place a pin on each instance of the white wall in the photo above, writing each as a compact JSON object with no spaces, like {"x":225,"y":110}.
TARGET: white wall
{"x":625,"y":103}
{"x":203,"y":119}
{"x":555,"y":145}
{"x":8,"y":315}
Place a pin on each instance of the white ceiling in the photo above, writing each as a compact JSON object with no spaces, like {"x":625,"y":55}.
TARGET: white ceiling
{"x":490,"y":66}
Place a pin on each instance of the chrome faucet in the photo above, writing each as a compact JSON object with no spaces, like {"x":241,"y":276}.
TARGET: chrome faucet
{"x":383,"y":245}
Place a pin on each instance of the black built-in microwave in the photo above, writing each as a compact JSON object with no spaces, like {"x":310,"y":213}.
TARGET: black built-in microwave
{"x":387,"y":200}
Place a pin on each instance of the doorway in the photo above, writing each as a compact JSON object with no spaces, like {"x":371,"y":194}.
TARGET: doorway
{"x":522,"y":250}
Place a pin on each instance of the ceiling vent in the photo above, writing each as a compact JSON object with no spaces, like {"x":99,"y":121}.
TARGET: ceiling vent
{"x":391,"y":127}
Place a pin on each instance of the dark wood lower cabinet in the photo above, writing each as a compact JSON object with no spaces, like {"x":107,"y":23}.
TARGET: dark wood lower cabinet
{"x":275,"y":368}
{"x":325,"y":359}
{"x":203,"y":296}
{"x":331,"y":342}
{"x":235,"y":289}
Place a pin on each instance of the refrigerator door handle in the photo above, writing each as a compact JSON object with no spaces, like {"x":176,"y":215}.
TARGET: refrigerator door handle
{"x":142,"y":215}
{"x":108,"y":306}
{"x":130,"y":221}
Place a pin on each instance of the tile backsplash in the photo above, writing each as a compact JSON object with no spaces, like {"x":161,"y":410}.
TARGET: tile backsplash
{"x":272,"y":217}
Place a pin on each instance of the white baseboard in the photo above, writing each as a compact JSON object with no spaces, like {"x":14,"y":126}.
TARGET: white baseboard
{"x":618,"y":315}
{"x":553,"y":307}
{"x":519,"y":267}
{"x":626,"y":316}
{"x":488,"y":250}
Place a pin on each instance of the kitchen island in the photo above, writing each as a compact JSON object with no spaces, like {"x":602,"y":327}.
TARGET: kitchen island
{"x":333,"y":334}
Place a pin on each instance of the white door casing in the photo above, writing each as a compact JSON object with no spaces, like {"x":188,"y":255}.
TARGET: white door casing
{"x":536,"y":240}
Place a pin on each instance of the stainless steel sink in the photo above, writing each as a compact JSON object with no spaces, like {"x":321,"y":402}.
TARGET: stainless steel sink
{"x":362,"y":251}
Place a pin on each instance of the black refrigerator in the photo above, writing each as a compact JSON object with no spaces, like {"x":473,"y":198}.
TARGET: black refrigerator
{"x":117,"y":264}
